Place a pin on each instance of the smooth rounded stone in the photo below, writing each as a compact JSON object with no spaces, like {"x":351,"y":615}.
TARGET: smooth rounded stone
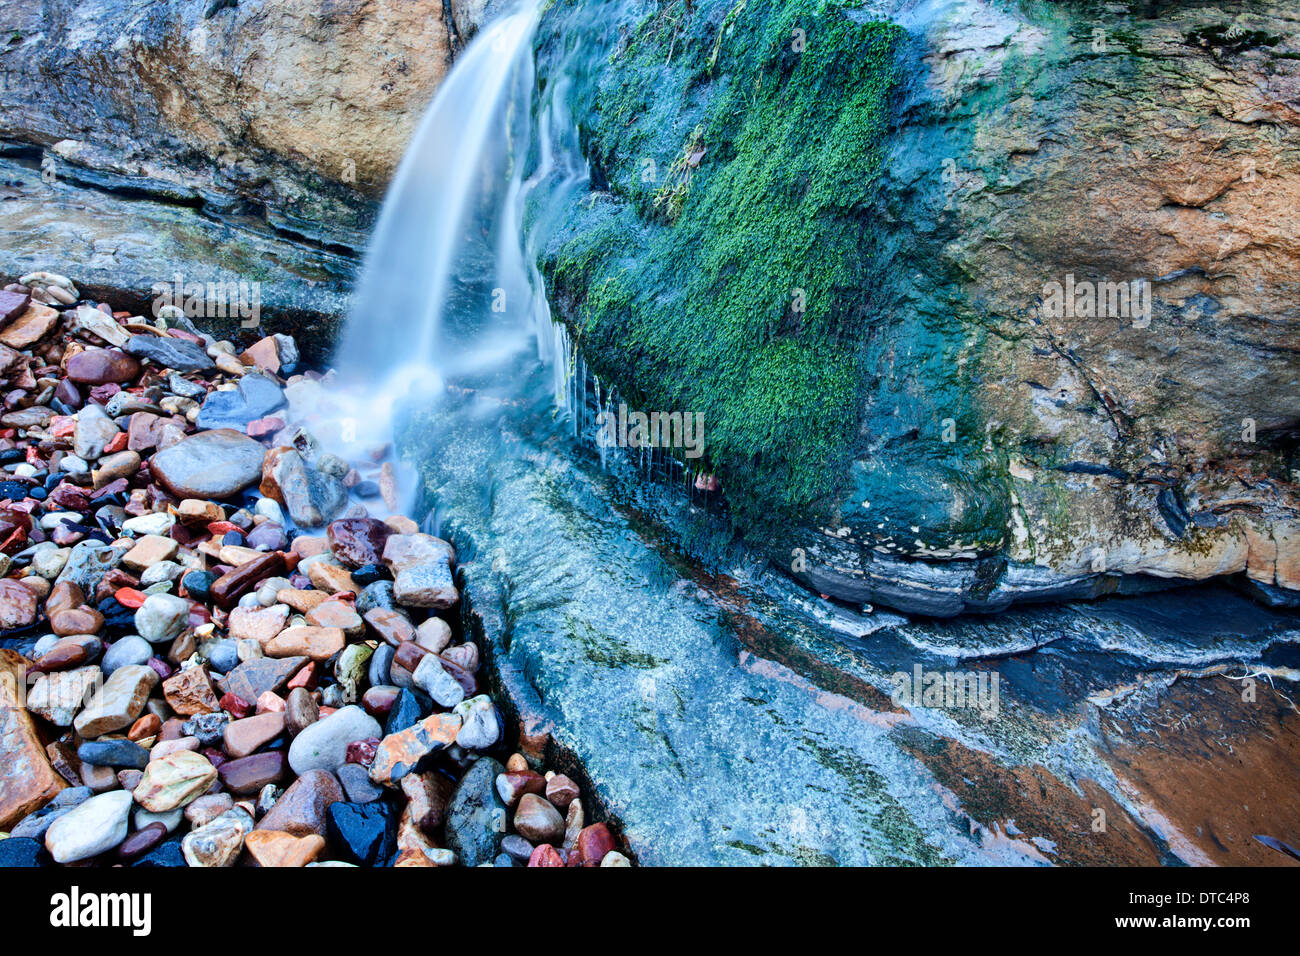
{"x":513,"y":784}
{"x":302,"y":807}
{"x":211,"y":464}
{"x":44,"y":646}
{"x":269,"y":590}
{"x":433,"y":635}
{"x":99,"y":779}
{"x":429,"y":795}
{"x":476,"y":818}
{"x":59,"y":696}
{"x":166,"y":854}
{"x":159,"y":573}
{"x":363,"y":833}
{"x":300,"y":711}
{"x":243,"y":737}
{"x":250,"y":774}
{"x":141,"y":841}
{"x":162,"y":617}
{"x":220,"y":842}
{"x":198,"y":584}
{"x":378,"y":701}
{"x":269,"y":508}
{"x":23,"y":852}
{"x":614,"y":858}
{"x":323,"y":745}
{"x":222,"y":655}
{"x":171,"y":353}
{"x":561,"y":791}
{"x":101,"y":366}
{"x":337,"y":614}
{"x":480,"y":726}
{"x":94,"y":430}
{"x":117,"y":703}
{"x":207,"y":808}
{"x":594,"y":844}
{"x":266,"y":799}
{"x":538,"y":821}
{"x":395,"y":628}
{"x":18,"y":604}
{"x":516,"y":848}
{"x":156,"y":522}
{"x":357,"y":542}
{"x":131,"y":649}
{"x":48,"y":560}
{"x":113,"y":753}
{"x":175,"y":780}
{"x":256,"y":397}
{"x":76,"y":620}
{"x":129,"y":778}
{"x":464,"y":656}
{"x":94,"y":827}
{"x":380,"y":662}
{"x":432,"y":678}
{"x":358,"y":785}
{"x":316,"y":643}
{"x":171,"y":819}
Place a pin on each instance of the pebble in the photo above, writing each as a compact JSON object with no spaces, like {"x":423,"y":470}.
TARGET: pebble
{"x":476,"y":818}
{"x":96,"y":826}
{"x":172,"y":781}
{"x":302,"y":807}
{"x":538,"y":821}
{"x":211,"y":464}
{"x":323,"y":745}
{"x":162,"y":617}
{"x":118,"y":702}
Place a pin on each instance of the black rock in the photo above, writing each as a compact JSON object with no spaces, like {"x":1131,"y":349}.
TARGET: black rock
{"x":170,"y":353}
{"x":363,"y":833}
{"x":198,"y":584}
{"x":113,"y":753}
{"x":256,"y":398}
{"x":475,"y":814}
{"x":165,"y":854}
{"x":22,"y":852}
{"x":118,"y":618}
{"x":369,"y":574}
{"x":406,"y":711}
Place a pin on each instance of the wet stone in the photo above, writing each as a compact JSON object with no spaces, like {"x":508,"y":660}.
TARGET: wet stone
{"x":301,"y":808}
{"x":476,"y":818}
{"x":365,"y":833}
{"x":256,"y":397}
{"x":211,"y":464}
{"x":113,"y":753}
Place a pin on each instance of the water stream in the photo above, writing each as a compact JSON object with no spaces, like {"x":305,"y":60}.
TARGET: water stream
{"x":723,"y":714}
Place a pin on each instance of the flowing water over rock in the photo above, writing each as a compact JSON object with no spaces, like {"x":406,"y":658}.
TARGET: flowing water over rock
{"x":723,"y":714}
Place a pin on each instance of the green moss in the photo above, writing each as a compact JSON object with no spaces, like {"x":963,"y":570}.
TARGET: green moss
{"x":752,"y":306}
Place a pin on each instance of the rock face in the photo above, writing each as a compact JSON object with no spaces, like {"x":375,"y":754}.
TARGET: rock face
{"x":921,"y":421}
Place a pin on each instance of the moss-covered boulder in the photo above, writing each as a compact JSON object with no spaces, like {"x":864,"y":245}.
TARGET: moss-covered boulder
{"x":846,"y":233}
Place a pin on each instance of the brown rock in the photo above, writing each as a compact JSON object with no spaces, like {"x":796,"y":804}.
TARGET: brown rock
{"x":100,"y":366}
{"x":358,"y":541}
{"x":393,"y":627}
{"x":561,"y":791}
{"x":251,"y":774}
{"x":149,"y":550}
{"x":429,"y":794}
{"x":243,"y":737}
{"x":280,"y":849}
{"x":118,"y":703}
{"x":189,"y":692}
{"x":537,"y":821}
{"x":331,"y":578}
{"x":301,"y":601}
{"x":27,"y":781}
{"x":316,"y":643}
{"x":29,"y":327}
{"x":76,"y":620}
{"x":594,"y":843}
{"x":300,"y":711}
{"x":512,"y":785}
{"x":64,"y":595}
{"x":234,"y":584}
{"x":301,"y":809}
{"x":337,"y":614}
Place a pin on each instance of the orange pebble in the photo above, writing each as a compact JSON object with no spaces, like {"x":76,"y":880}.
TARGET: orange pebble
{"x":129,"y":597}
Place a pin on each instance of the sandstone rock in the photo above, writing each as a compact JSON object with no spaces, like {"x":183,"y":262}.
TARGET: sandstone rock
{"x":162,"y":618}
{"x":118,"y":703}
{"x":150,"y":550}
{"x":189,"y":691}
{"x":316,"y":643}
{"x":301,"y":809}
{"x":18,"y":604}
{"x":175,"y":780}
{"x":400,"y":753}
{"x":276,"y":848}
{"x":58,"y":696}
{"x":537,"y":821}
{"x":243,"y":737}
{"x":259,"y":624}
{"x":99,"y":366}
{"x":31,"y":326}
{"x":27,"y":781}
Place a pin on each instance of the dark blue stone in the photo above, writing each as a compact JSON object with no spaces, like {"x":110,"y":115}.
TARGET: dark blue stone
{"x":369,"y":574}
{"x":198,"y":584}
{"x":233,"y":537}
{"x":164,"y":854}
{"x":363,"y":833}
{"x":21,"y":852}
{"x":14,"y":490}
{"x":406,"y":712}
{"x":366,"y":489}
{"x":113,"y":753}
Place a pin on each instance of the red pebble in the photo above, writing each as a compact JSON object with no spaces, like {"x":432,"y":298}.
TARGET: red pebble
{"x":305,"y":677}
{"x":594,"y":842}
{"x":545,"y":855}
{"x":235,"y":705}
{"x":363,"y":751}
{"x":129,"y":597}
{"x":118,"y":443}
{"x":160,"y":667}
{"x":264,"y":427}
{"x":222,"y":527}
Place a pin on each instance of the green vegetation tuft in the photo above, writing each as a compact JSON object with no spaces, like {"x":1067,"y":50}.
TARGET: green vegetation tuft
{"x":749,"y":299}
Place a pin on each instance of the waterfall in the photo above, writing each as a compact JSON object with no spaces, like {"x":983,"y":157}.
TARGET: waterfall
{"x":447,"y":240}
